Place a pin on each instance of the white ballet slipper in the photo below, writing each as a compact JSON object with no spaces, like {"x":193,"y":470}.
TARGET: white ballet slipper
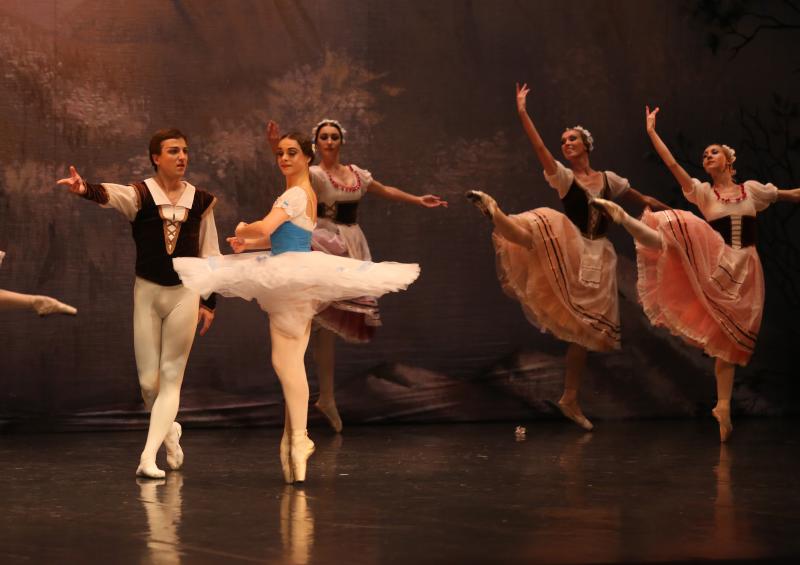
{"x":173,"y":447}
{"x":148,"y":469}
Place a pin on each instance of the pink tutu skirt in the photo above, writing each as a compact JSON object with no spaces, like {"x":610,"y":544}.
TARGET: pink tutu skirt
{"x":699,"y":288}
{"x":566,"y":283}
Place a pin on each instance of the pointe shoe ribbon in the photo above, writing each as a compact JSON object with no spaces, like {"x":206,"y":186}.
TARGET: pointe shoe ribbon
{"x":614,"y":210}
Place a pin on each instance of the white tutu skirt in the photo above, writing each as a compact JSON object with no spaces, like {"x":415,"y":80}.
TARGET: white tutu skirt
{"x":292,"y":287}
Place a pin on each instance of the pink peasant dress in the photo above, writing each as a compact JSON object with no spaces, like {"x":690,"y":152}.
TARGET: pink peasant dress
{"x":566,"y":281}
{"x":705,"y":283}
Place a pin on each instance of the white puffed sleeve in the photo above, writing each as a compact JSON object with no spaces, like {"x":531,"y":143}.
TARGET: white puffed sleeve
{"x":762,"y":194}
{"x":366,"y":177}
{"x":698,"y":192}
{"x":122,"y":198}
{"x":293,"y":201}
{"x":617,"y":185}
{"x":561,"y":180}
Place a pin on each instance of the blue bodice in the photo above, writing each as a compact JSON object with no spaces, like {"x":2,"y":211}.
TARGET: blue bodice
{"x":290,"y":237}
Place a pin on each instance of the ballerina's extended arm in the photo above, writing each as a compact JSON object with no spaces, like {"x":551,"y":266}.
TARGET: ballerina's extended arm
{"x":542,"y":152}
{"x":677,"y":171}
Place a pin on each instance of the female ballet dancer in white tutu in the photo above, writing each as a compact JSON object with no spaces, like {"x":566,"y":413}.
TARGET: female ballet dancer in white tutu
{"x":291,"y":283}
{"x":560,"y":266}
{"x":339,"y":189}
{"x":702,"y":279}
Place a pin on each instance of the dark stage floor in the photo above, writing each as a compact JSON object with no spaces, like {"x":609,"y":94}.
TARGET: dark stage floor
{"x":654,"y":491}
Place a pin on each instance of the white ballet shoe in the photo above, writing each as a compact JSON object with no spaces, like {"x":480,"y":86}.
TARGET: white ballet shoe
{"x":148,"y":469}
{"x":614,"y":210}
{"x":723,"y":417}
{"x":331,"y":414}
{"x":45,"y":305}
{"x":302,"y":449}
{"x":173,"y":447}
{"x":483,"y":202}
{"x":286,"y":460}
{"x":574,"y":413}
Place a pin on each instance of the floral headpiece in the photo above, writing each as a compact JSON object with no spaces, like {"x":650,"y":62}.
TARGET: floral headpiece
{"x":586,"y":134}
{"x":325,"y":122}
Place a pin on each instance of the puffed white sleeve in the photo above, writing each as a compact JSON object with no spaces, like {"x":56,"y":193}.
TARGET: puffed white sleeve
{"x":762,"y":194}
{"x":209,"y":239}
{"x":293,"y":201}
{"x":366,"y":177}
{"x":561,"y":180}
{"x":617,"y":185}
{"x":698,"y":191}
{"x":120,"y":197}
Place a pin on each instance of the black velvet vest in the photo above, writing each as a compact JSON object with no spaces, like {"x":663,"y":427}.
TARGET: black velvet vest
{"x":153,"y":261}
{"x":592,"y":223}
{"x":749,"y":229}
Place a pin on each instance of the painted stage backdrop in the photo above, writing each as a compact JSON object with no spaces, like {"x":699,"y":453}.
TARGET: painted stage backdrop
{"x":426,"y":92}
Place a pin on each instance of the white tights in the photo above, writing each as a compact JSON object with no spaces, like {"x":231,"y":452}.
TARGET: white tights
{"x":164,"y":322}
{"x":288,"y":360}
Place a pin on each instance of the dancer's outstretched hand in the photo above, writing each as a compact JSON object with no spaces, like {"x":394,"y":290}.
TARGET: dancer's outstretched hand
{"x":522,"y":95}
{"x":205,"y":318}
{"x":273,"y":135}
{"x":45,"y":305}
{"x":237,"y":244}
{"x":650,"y":119}
{"x":74,"y":182}
{"x":432,"y":201}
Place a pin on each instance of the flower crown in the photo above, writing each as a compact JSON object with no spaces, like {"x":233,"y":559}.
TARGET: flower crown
{"x":325,"y":122}
{"x":586,"y":134}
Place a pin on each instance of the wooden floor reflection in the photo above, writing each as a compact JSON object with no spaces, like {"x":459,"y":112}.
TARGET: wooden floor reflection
{"x":633,"y":492}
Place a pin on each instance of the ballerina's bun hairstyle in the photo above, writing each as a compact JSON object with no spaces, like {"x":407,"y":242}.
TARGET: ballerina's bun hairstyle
{"x":305,"y":144}
{"x":160,"y":137}
{"x":730,"y":155}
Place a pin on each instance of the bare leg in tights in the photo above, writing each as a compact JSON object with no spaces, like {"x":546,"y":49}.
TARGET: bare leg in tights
{"x":164,"y":322}
{"x":723,"y":371}
{"x":325,"y":360}
{"x":288,"y":355}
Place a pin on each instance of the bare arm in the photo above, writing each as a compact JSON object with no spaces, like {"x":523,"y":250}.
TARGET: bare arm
{"x":238,"y":245}
{"x":262,"y":228}
{"x":542,"y":153}
{"x":677,"y":171}
{"x":392,"y":193}
{"x":792,"y":195}
{"x":42,"y":305}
